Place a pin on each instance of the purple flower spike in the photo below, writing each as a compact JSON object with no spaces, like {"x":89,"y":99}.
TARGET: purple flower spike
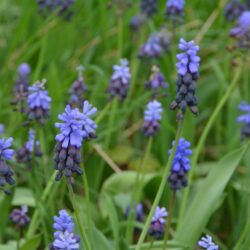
{"x":19,"y":217}
{"x":63,"y":223}
{"x":245,"y":119}
{"x":76,"y":127}
{"x":38,"y":102}
{"x":175,"y":10}
{"x":234,"y":9}
{"x":6,"y":173}
{"x":207,"y":243}
{"x":152,"y":116}
{"x":66,"y":241}
{"x":158,"y":222}
{"x":181,"y":165}
{"x":149,"y":7}
{"x":152,"y":48}
{"x":120,"y":81}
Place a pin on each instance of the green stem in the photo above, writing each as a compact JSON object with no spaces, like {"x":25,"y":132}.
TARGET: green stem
{"x":137,"y":190}
{"x":120,"y":35}
{"x":203,"y":139}
{"x":78,"y":220}
{"x":19,"y":238}
{"x":161,"y":187}
{"x":170,"y":216}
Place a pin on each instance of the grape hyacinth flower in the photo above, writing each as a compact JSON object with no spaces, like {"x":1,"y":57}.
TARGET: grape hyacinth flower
{"x":139,"y":212}
{"x":158,"y":222}
{"x":120,"y":80}
{"x":62,"y":6}
{"x":152,"y":117}
{"x":77,"y":90}
{"x":234,"y":9}
{"x":76,"y":127}
{"x":1,"y":128}
{"x":174,"y":10}
{"x":149,"y":7}
{"x":157,"y":44}
{"x":181,"y":165}
{"x":156,"y":81}
{"x":245,"y":119}
{"x":6,"y":173}
{"x":64,"y":237}
{"x":24,"y":155}
{"x":20,"y":90}
{"x":136,"y":22}
{"x":207,"y":243}
{"x":38,"y":102}
{"x":188,"y":67}
{"x":19,"y":217}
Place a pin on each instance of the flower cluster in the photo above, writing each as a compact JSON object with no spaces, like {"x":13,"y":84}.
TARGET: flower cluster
{"x":188,"y":67}
{"x":207,"y":243}
{"x":174,"y":10}
{"x":234,"y":9}
{"x":149,"y":7}
{"x":245,"y":119}
{"x":155,"y":46}
{"x":242,"y":31}
{"x":120,"y":80}
{"x":62,"y":6}
{"x":38,"y":102}
{"x":152,"y":116}
{"x":156,"y":81}
{"x":181,"y":165}
{"x":19,"y":217}
{"x":158,"y":222}
{"x":6,"y":173}
{"x":64,"y":237}
{"x":77,"y":90}
{"x":20,"y":90}
{"x":76,"y":127}
{"x":24,"y":155}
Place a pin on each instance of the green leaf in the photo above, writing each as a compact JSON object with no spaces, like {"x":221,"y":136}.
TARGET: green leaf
{"x":207,"y":198}
{"x":100,"y":241}
{"x":32,"y":243}
{"x":23,"y":196}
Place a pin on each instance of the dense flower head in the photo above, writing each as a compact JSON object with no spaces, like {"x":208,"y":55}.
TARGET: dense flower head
{"x":245,"y":119}
{"x":188,"y":67}
{"x":207,"y":243}
{"x":243,"y":25}
{"x":6,"y":173}
{"x":19,"y":217}
{"x":156,"y":81}
{"x":76,"y":127}
{"x":64,"y":232}
{"x":233,"y":9}
{"x":152,"y":116}
{"x":20,"y":90}
{"x":120,"y":80}
{"x":174,"y":10}
{"x":149,"y":7}
{"x":78,"y":90}
{"x":158,"y":221}
{"x":38,"y":102}
{"x":181,"y":165}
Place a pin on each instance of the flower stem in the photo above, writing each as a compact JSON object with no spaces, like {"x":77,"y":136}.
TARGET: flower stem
{"x":171,"y":212}
{"x":76,"y":211}
{"x":19,"y":238}
{"x":202,"y":140}
{"x":161,"y":187}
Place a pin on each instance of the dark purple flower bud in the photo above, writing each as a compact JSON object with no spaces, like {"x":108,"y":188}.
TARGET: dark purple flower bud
{"x":20,"y":90}
{"x":174,"y":10}
{"x":19,"y":217}
{"x":158,"y":222}
{"x":152,"y":116}
{"x":78,"y":90}
{"x":6,"y":173}
{"x":149,"y":7}
{"x":245,"y":119}
{"x":76,"y":127}
{"x":234,"y":9}
{"x":207,"y":243}
{"x":120,"y":81}
{"x":38,"y":102}
{"x":188,"y":67}
{"x":181,"y":165}
{"x":139,"y":212}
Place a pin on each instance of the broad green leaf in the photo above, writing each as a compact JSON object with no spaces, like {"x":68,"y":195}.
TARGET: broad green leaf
{"x":32,"y":243}
{"x":23,"y":196}
{"x":207,"y":198}
{"x":100,"y":241}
